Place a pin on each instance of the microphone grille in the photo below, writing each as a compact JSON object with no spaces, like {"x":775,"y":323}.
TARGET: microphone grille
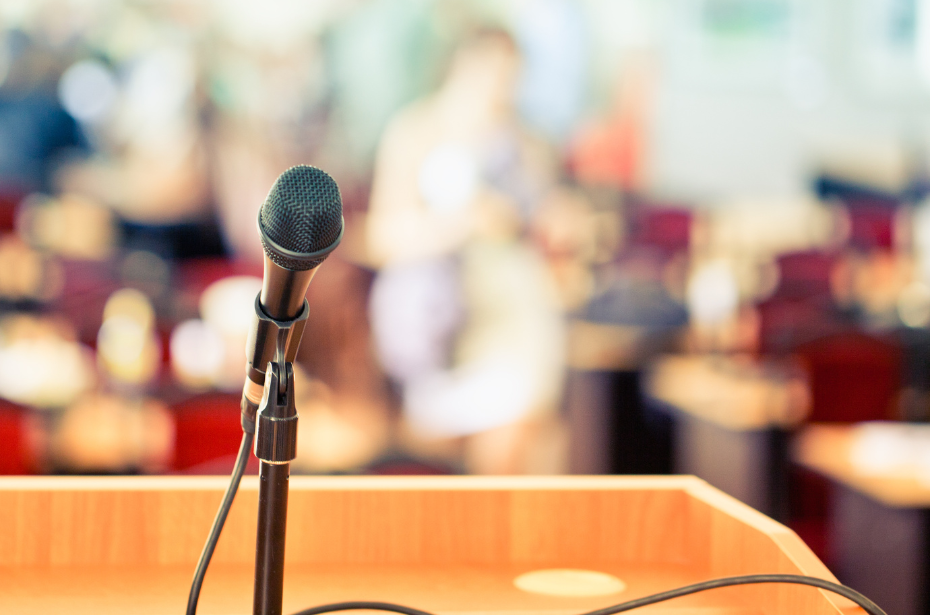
{"x":303,"y":214}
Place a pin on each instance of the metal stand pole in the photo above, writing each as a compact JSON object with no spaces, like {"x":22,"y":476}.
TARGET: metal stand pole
{"x":269,"y":552}
{"x":275,"y":446}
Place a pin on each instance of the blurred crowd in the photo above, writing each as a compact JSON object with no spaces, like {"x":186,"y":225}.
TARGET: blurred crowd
{"x":535,"y":191}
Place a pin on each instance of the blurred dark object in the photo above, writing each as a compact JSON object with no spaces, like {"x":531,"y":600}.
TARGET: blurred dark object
{"x":201,"y":238}
{"x":633,"y":288}
{"x":194,"y":275}
{"x":34,"y":133}
{"x":614,"y":430}
{"x":802,"y":306}
{"x":851,"y":193}
{"x":10,"y":198}
{"x":872,"y":226}
{"x":805,"y":274}
{"x":853,"y":377}
{"x":809,"y":511}
{"x":915,"y":396}
{"x":871,"y":210}
{"x":660,"y":226}
{"x":636,"y":302}
{"x":86,"y":288}
{"x":405,"y":465}
{"x":15,"y":454}
{"x":207,"y":434}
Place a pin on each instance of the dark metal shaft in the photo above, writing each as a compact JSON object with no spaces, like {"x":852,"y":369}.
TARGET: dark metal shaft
{"x":269,"y":552}
{"x":283,"y":290}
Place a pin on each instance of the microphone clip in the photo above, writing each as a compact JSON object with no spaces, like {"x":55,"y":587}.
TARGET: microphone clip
{"x":269,"y":337}
{"x":269,"y":340}
{"x":276,"y":434}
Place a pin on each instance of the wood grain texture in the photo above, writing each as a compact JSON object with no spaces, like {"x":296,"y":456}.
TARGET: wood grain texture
{"x":661,"y":531}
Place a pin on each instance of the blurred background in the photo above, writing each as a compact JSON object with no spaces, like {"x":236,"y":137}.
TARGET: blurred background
{"x":600,"y":236}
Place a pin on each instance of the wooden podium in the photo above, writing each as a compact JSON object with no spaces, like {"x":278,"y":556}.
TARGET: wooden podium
{"x":88,"y":545}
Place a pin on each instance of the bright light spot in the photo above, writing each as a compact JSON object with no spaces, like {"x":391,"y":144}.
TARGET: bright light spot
{"x":228,"y":305}
{"x":197,"y":351}
{"x":126,"y":345}
{"x":121,"y":340}
{"x":132,"y":305}
{"x":44,"y":372}
{"x":892,"y":450}
{"x":713,"y":294}
{"x":569,"y":582}
{"x":88,"y":91}
{"x":914,"y":305}
{"x":921,"y":234}
{"x":494,"y":392}
{"x":448,"y":178}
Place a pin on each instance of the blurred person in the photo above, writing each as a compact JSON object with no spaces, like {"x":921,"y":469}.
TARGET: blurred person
{"x":612,"y":150}
{"x":155,"y":171}
{"x":36,"y":133}
{"x":464,"y":311}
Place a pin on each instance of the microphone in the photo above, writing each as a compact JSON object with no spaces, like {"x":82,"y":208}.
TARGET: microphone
{"x":299,"y":223}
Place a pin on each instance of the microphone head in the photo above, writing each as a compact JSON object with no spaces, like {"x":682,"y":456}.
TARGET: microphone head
{"x":300,"y":222}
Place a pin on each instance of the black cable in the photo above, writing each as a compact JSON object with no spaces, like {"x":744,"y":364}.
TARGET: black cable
{"x":360,"y":605}
{"x":241,"y":460}
{"x":869,"y":606}
{"x":749,"y":579}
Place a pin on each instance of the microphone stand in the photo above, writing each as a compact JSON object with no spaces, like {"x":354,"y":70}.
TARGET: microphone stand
{"x":276,"y":447}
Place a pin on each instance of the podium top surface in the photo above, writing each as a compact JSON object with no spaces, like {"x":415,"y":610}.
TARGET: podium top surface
{"x":415,"y":537}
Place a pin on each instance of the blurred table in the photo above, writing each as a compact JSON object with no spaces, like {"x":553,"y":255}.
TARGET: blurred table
{"x":732,"y":417}
{"x":880,"y":519}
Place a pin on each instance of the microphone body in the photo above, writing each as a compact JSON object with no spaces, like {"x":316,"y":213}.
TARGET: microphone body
{"x":300,"y":224}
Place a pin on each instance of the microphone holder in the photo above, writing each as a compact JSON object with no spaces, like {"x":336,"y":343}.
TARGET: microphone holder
{"x":275,"y":447}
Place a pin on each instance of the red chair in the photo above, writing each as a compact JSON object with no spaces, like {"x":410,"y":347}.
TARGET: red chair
{"x":16,"y":456}
{"x":853,"y":377}
{"x":802,"y":306}
{"x":805,"y":274}
{"x":872,"y":226}
{"x":208,"y":434}
{"x":663,"y":227}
